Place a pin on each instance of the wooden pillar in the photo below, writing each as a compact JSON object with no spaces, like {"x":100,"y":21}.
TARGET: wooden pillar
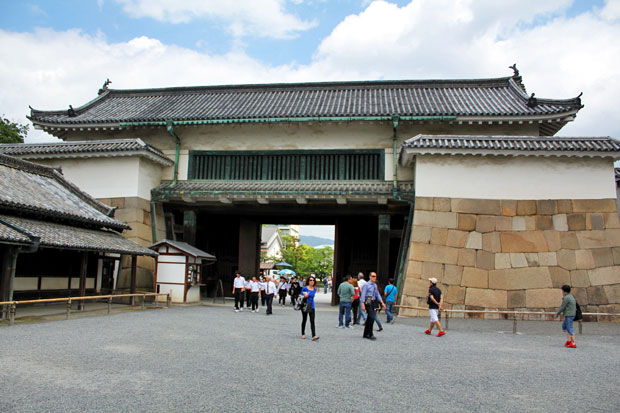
{"x":189,"y":227}
{"x":83,"y":268}
{"x":7,"y":274}
{"x":337,"y":272}
{"x":249,"y":247}
{"x":383,"y":250}
{"x":134,"y":265}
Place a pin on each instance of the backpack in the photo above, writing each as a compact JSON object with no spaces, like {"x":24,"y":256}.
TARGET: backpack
{"x":578,"y":314}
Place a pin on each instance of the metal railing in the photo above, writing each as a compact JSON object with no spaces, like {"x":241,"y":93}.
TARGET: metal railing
{"x":11,"y":306}
{"x":513,"y":313}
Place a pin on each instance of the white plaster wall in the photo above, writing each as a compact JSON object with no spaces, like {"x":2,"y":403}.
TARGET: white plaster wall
{"x":497,"y":177}
{"x":148,"y":178}
{"x":177,"y":291}
{"x":174,"y":273}
{"x":193,"y":294}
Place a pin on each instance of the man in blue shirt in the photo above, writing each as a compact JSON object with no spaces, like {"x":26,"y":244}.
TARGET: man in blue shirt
{"x":370,"y":297}
{"x":390,"y":299}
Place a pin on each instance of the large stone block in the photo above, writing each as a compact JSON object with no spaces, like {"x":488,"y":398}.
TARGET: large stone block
{"x":530,"y":223}
{"x":566,"y":259}
{"x":415,"y":287}
{"x":576,"y":222}
{"x":543,"y":298}
{"x":602,"y":257}
{"x":546,"y":207}
{"x":435,"y":219}
{"x":491,"y":242}
{"x":543,"y":222}
{"x":518,"y":260}
{"x":414,"y":268}
{"x":421,"y":234}
{"x":516,"y":299}
{"x":485,"y":260}
{"x":595,"y":205}
{"x":466,"y":222}
{"x":467,"y":257}
{"x":139,"y":230}
{"x":610,"y":308}
{"x":432,"y":269}
{"x":596,"y":295}
{"x":455,"y":294}
{"x":486,"y":298}
{"x":518,"y":224}
{"x":475,"y":277}
{"x":442,"y":204}
{"x":615,"y":252}
{"x":559,"y":277}
{"x":476,"y":206}
{"x":581,"y":296}
{"x":502,"y":260}
{"x":568,"y":240}
{"x":498,"y":280}
{"x":547,"y":259}
{"x":526,"y":278}
{"x":598,"y":239}
{"x":423,"y":203}
{"x":474,"y":241}
{"x":526,"y":207}
{"x":532,"y":259}
{"x":434,"y":253}
{"x":559,"y":222}
{"x":605,"y":276}
{"x":584,"y":259}
{"x":612,"y":292}
{"x":503,"y":223}
{"x":456,"y":238}
{"x":553,"y":240}
{"x":439,"y":236}
{"x":525,"y":241}
{"x":509,"y":208}
{"x":595,"y":221}
{"x":579,"y":278}
{"x":485,"y":223}
{"x":612,"y":221}
{"x":452,"y":274}
{"x":565,"y":206}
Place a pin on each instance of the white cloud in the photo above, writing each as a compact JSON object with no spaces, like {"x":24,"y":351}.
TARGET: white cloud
{"x":263,"y":18}
{"x":558,"y":58}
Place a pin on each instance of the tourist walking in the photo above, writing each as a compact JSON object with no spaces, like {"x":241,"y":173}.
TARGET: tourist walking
{"x":390,"y":300}
{"x":325,"y":284}
{"x":569,"y":309}
{"x":248,"y":292}
{"x":261,"y":286}
{"x":355,"y":301}
{"x":369,"y":299}
{"x":254,"y":291}
{"x":360,"y":283}
{"x":270,"y":290}
{"x":309,"y":291}
{"x":435,"y":302}
{"x":282,"y":289}
{"x":237,"y":291}
{"x":346,"y":293}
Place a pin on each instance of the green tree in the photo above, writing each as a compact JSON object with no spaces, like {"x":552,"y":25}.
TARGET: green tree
{"x":307,"y":260}
{"x":12,"y":132}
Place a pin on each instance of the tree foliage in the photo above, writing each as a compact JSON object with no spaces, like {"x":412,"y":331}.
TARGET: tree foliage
{"x":12,"y":132}
{"x":307,"y":260}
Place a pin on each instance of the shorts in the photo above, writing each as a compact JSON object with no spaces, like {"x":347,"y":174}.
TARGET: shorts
{"x":434,"y":314}
{"x":567,"y":325}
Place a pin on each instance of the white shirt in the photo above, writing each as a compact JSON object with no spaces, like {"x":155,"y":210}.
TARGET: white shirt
{"x":239,"y":282}
{"x":283,"y":286}
{"x":261,"y":284}
{"x":254,"y":286}
{"x":271,"y":288}
{"x":248,"y":284}
{"x":360,"y":284}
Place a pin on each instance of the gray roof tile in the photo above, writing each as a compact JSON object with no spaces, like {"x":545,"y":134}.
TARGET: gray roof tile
{"x":484,"y":97}
{"x":185,"y":247}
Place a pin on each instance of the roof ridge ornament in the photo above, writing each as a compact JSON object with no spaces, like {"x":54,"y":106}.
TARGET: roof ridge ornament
{"x":515,"y":70}
{"x":104,"y":87}
{"x":71,"y":111}
{"x":517,"y":77}
{"x":532,"y":102}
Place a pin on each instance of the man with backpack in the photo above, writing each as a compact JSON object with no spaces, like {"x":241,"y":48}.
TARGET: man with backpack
{"x":390,"y":299}
{"x":569,"y":308}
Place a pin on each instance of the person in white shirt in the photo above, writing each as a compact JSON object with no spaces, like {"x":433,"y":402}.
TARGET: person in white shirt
{"x":248,"y":292}
{"x":261,"y":285}
{"x":254,"y":292}
{"x":238,"y":286}
{"x":360,"y":284}
{"x":270,"y":290}
{"x":282,"y":289}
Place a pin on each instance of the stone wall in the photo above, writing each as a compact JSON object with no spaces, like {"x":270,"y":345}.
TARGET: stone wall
{"x":136,"y":212}
{"x":509,"y":254}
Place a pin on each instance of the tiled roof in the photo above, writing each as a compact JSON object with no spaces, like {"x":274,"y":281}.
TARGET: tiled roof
{"x":101,"y":148}
{"x":35,"y":190}
{"x":185,"y":247}
{"x":289,"y":189}
{"x":68,"y":237}
{"x":500,"y":97}
{"x":512,"y":145}
{"x":267,"y":265}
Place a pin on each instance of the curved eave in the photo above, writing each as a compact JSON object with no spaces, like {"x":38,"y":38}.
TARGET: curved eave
{"x":87,"y":155}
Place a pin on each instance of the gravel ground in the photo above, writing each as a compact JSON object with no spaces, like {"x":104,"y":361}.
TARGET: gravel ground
{"x":208,"y":358}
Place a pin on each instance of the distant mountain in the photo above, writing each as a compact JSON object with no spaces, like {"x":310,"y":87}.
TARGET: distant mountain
{"x":315,"y":241}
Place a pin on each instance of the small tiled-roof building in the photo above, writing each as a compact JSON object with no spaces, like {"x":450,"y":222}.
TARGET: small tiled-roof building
{"x":55,"y":239}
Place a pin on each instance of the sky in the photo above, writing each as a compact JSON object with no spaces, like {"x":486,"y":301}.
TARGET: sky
{"x":59,"y":53}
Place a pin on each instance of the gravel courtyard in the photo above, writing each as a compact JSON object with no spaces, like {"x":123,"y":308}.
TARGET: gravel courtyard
{"x":208,"y":358}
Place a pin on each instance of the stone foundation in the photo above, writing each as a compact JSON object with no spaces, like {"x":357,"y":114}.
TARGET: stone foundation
{"x":136,"y":212}
{"x":515,"y":255}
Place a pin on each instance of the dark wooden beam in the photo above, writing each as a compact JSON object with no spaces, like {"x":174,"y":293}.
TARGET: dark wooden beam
{"x":189,"y":226}
{"x":8,"y":262}
{"x":383,"y":250}
{"x":249,"y":247}
{"x":83,"y":269}
{"x":134,"y":265}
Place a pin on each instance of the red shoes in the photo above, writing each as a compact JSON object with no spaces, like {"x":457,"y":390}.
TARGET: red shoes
{"x":571,"y":345}
{"x":441,"y":333}
{"x":428,"y":332}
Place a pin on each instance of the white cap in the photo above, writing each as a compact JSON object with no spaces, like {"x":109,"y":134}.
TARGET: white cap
{"x":433,"y":280}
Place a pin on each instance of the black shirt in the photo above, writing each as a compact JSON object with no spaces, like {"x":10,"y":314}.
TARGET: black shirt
{"x":435,"y":292}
